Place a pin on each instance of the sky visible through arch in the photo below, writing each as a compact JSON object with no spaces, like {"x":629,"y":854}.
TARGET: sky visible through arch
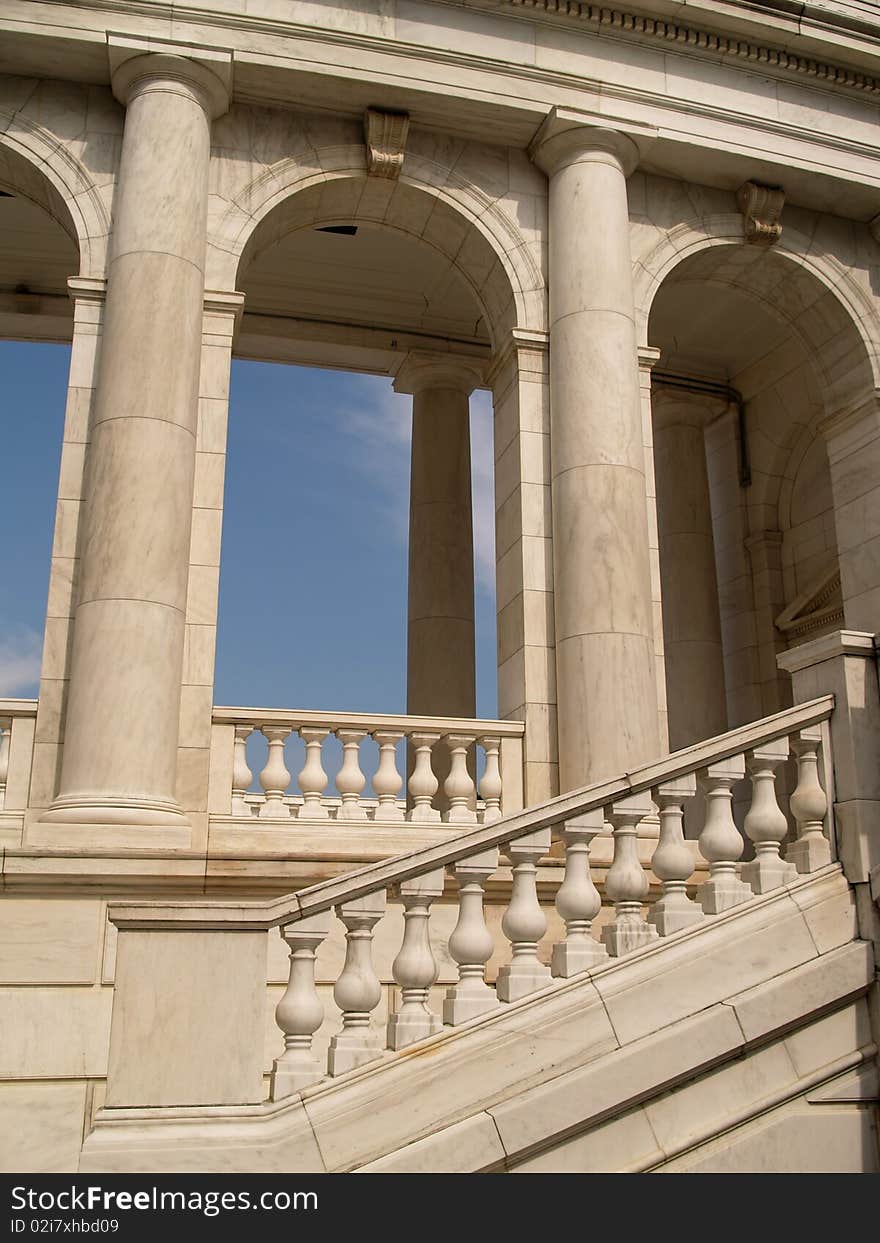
{"x":314,"y":564}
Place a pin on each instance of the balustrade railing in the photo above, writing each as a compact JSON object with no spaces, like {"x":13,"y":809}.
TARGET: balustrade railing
{"x":784,"y":846}
{"x":470,"y":793}
{"x":17,"y":721}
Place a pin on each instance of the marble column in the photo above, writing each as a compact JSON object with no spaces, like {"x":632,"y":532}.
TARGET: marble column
{"x":608,"y":718}
{"x":122,"y":721}
{"x":695,"y":695}
{"x":440,"y":665}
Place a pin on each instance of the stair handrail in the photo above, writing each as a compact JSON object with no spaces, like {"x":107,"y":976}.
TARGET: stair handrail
{"x":292,"y":907}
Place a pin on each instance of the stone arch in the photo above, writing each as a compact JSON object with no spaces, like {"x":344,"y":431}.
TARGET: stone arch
{"x":428,"y":201}
{"x":821,"y":303}
{"x":40,"y":168}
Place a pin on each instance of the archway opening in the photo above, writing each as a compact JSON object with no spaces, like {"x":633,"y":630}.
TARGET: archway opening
{"x":337,"y":303}
{"x":37,"y":256}
{"x":754,"y":352}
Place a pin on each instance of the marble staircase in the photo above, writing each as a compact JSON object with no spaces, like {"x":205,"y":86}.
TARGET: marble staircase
{"x":751,"y":964}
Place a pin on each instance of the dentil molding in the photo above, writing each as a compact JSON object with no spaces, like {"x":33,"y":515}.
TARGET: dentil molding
{"x":599,"y":16}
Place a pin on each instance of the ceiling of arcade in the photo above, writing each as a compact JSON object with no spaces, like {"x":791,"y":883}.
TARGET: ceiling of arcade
{"x":367,"y":277}
{"x":766,"y":327}
{"x":354,"y":272}
{"x":725,"y":312}
{"x":36,"y":258}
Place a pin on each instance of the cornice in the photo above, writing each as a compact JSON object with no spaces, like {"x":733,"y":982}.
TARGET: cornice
{"x":611,"y":21}
{"x":625,"y":22}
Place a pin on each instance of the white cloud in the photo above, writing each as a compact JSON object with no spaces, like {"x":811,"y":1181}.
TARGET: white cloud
{"x":379,"y":431}
{"x":20,"y":649}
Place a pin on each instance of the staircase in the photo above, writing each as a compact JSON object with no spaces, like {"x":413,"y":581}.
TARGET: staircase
{"x":727,"y":1026}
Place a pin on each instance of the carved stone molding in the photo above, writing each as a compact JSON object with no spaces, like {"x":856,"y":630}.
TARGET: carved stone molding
{"x":820,"y":607}
{"x":715,"y":44}
{"x":761,"y":207}
{"x":385,"y":135}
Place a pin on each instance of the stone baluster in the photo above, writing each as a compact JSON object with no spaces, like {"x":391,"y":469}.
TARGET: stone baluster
{"x":491,"y":786}
{"x":672,"y":862}
{"x":423,"y":784}
{"x":459,"y":785}
{"x":471,"y":942}
{"x":627,"y":882}
{"x":357,"y":992}
{"x":414,"y":969}
{"x":720,"y":842}
{"x":299,"y":1013}
{"x":577,"y":899}
{"x":809,"y":805}
{"x":387,"y":783}
{"x":765,"y":822}
{"x":275,"y":778}
{"x":313,"y":780}
{"x":6,"y":728}
{"x":241,"y":773}
{"x":524,"y":922}
{"x":350,"y":780}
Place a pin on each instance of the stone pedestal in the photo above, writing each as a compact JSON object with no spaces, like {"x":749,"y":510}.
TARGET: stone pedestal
{"x":844,"y":664}
{"x":601,"y":568}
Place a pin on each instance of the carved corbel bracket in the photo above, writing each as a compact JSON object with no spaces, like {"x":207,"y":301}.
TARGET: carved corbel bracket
{"x":761,"y":207}
{"x":385,"y":135}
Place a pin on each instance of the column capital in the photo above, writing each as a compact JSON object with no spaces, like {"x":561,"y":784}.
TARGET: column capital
{"x":422,"y":370}
{"x":673,"y":405}
{"x":87,"y":289}
{"x":566,"y":137}
{"x":136,"y":62}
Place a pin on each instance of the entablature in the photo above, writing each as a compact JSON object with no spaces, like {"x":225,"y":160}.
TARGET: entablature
{"x":706,"y":107}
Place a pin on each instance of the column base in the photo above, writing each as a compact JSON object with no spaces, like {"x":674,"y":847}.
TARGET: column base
{"x":108,"y":822}
{"x":114,"y":809}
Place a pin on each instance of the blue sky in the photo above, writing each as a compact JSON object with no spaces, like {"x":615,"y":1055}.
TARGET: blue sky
{"x":314,"y":565}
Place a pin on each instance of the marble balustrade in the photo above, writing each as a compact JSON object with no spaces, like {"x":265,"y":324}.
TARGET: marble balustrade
{"x":17,"y":723}
{"x":254,"y":768}
{"x":786,"y":841}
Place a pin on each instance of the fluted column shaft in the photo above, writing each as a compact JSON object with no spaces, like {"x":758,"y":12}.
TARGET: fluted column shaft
{"x":121,"y":733}
{"x":604,"y":633}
